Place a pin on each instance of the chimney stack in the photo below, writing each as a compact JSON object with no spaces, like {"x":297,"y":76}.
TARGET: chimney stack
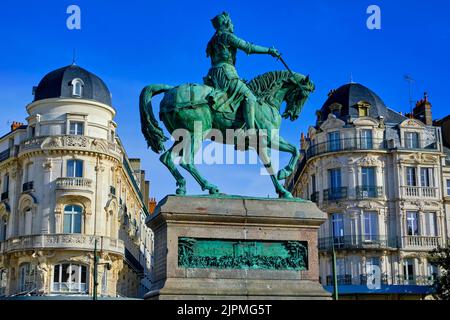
{"x":15,"y":125}
{"x":302,"y":141}
{"x":422,"y":111}
{"x":152,"y":205}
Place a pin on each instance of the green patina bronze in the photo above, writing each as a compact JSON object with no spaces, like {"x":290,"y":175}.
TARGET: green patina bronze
{"x":226,"y":102}
{"x":247,"y":254}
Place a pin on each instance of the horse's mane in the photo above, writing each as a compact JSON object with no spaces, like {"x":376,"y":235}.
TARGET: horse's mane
{"x":264,"y":83}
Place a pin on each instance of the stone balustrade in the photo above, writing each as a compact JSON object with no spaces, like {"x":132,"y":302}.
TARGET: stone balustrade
{"x":71,"y":142}
{"x":63,"y":241}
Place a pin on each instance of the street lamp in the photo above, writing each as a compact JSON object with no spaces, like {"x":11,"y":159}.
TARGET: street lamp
{"x":96,"y":264}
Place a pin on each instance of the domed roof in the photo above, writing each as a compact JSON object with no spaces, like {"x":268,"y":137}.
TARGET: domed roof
{"x":60,"y":83}
{"x":350,"y":96}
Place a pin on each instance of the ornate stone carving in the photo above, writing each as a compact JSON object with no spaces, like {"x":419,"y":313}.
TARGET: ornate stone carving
{"x":276,"y":255}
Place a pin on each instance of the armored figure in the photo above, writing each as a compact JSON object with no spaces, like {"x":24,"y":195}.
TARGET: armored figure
{"x":222,"y":50}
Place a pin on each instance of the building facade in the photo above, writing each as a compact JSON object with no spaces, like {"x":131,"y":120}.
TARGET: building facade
{"x":68,"y":187}
{"x":378,"y":175}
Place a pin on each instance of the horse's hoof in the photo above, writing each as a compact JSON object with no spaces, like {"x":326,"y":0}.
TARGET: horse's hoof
{"x":283,"y":174}
{"x":181,"y":191}
{"x":213,"y":190}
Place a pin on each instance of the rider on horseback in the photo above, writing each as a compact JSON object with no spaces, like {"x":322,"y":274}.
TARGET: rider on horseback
{"x":222,"y":49}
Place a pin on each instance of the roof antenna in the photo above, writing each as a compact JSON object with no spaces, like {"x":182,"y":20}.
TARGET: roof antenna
{"x":410,"y":81}
{"x":74,"y":57}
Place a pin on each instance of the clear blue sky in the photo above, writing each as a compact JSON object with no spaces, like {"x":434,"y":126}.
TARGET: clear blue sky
{"x":130,"y":44}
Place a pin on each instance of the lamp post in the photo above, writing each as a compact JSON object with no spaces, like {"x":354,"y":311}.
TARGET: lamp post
{"x":335,"y":284}
{"x":96,"y":264}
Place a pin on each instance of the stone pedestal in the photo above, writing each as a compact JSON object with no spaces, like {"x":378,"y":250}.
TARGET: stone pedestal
{"x":235,"y":248}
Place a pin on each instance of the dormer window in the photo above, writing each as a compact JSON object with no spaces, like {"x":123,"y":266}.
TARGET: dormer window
{"x":77,"y":87}
{"x":363,"y":108}
{"x":335,"y":109}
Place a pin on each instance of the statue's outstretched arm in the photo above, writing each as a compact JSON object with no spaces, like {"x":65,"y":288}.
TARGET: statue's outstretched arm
{"x":248,"y":47}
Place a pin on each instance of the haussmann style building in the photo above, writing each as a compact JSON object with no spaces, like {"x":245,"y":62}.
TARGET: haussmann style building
{"x":379,"y":176}
{"x":67,"y":186}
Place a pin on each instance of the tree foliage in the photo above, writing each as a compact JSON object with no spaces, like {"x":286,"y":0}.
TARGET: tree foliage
{"x":440,"y":257}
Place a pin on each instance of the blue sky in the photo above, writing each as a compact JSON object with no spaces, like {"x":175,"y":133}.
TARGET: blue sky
{"x":130,"y":44}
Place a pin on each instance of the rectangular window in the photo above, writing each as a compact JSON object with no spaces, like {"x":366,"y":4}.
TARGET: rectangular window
{"x":313,"y":183}
{"x":76,"y":128}
{"x":432,"y":272}
{"x":334,"y":141}
{"x":6,"y":183}
{"x":370,"y":224}
{"x":372,"y":264}
{"x":334,"y":177}
{"x":368,"y":176}
{"x":412,"y":140}
{"x":337,"y":220}
{"x":426,"y":177}
{"x":412,"y":223}
{"x":408,"y":271}
{"x":340,"y":266}
{"x":75,"y":168}
{"x":366,"y":139}
{"x":448,"y":187}
{"x":411,"y":177}
{"x":430,"y":224}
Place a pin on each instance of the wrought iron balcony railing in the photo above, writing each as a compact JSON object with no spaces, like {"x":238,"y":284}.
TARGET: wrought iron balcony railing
{"x":357,"y":242}
{"x":334,"y":194}
{"x":417,"y":144}
{"x":369,"y":192}
{"x":28,"y":186}
{"x":345,"y":144}
{"x":386,"y":279}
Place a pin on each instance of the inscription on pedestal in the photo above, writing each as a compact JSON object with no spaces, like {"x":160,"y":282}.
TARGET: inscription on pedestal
{"x":242,"y":254}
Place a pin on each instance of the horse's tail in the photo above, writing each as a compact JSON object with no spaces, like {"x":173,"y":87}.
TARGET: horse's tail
{"x":149,"y":125}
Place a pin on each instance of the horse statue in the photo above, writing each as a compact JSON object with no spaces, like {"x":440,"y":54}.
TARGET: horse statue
{"x":187,"y":105}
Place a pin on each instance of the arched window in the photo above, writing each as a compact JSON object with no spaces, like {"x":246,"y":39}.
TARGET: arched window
{"x":72,"y":219}
{"x":27,"y":277}
{"x":68,"y":277}
{"x":77,"y":87}
{"x":2,"y":282}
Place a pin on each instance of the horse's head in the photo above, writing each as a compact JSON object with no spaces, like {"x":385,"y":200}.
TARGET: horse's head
{"x":298,"y":88}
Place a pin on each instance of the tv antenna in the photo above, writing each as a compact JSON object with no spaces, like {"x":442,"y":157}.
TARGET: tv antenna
{"x":410,"y":81}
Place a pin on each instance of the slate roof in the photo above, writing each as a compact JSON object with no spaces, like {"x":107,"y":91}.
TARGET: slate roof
{"x":57,"y":84}
{"x":348,"y":97}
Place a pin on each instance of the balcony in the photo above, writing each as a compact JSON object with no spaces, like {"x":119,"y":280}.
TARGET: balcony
{"x":28,"y":186}
{"x":5,"y":196}
{"x":346,"y":144}
{"x":64,"y":241}
{"x":419,"y":192}
{"x":4,"y":155}
{"x":74,"y":184}
{"x":416,"y":144}
{"x":342,"y":279}
{"x":356,"y":242}
{"x":369,"y":192}
{"x":335,"y":194}
{"x":421,"y":242}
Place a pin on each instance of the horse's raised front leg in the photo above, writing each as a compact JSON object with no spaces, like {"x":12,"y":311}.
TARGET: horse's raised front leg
{"x":281,"y":191}
{"x":167,"y":159}
{"x":284,"y":146}
{"x":187,"y":162}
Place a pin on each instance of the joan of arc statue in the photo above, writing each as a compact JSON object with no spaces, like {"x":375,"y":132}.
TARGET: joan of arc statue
{"x":222,"y":50}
